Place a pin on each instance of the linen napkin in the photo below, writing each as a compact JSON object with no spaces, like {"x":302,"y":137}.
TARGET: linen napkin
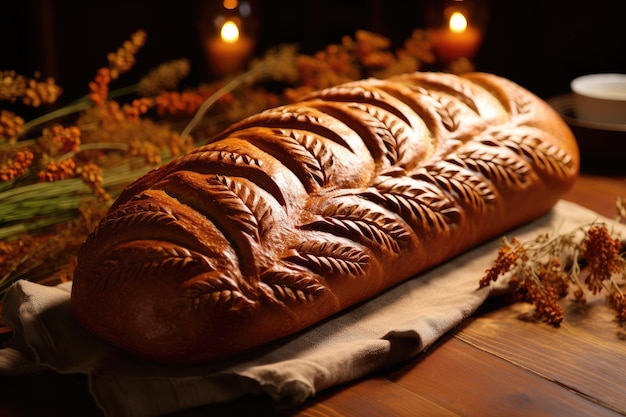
{"x":393,"y":327}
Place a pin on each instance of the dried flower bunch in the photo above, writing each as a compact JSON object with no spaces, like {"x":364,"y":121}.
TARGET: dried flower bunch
{"x":60,"y":171}
{"x":367,"y":54}
{"x":544,"y":270}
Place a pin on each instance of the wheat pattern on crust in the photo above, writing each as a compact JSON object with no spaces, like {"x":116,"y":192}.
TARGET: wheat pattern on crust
{"x":330,"y":258}
{"x":359,"y":222}
{"x":214,"y":290}
{"x":290,"y":287}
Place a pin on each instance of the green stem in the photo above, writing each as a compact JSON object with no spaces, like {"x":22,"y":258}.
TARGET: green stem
{"x":63,"y":111}
{"x":56,"y":202}
{"x":18,"y":229}
{"x":96,"y":146}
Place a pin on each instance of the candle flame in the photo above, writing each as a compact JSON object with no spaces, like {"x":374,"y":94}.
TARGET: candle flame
{"x":458,"y":22}
{"x":230,"y":4}
{"x":230,"y":32}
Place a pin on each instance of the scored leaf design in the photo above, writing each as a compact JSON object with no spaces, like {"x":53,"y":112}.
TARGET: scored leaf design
{"x":418,"y":202}
{"x":464,"y":93}
{"x":393,"y":133}
{"x":215,"y":290}
{"x":168,"y":258}
{"x":330,"y":258}
{"x":448,"y":84}
{"x":464,"y":185}
{"x":290,"y":286}
{"x":158,"y":260}
{"x":243,"y":205}
{"x":295,"y":118}
{"x":310,"y":154}
{"x":446,"y":107}
{"x":520,"y":102}
{"x":360,"y":223}
{"x":202,"y":158}
{"x":543,"y":154}
{"x":355,"y":93}
{"x":497,"y":163}
{"x":131,"y":216}
{"x":324,"y":157}
{"x":347,"y":92}
{"x":449,"y":112}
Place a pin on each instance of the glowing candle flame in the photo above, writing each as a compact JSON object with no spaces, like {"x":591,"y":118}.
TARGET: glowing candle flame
{"x":230,"y":32}
{"x":458,"y":22}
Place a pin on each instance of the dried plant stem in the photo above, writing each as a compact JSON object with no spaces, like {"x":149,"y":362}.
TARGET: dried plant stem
{"x":210,"y":102}
{"x":72,"y":108}
{"x":18,"y":229}
{"x":256,"y":72}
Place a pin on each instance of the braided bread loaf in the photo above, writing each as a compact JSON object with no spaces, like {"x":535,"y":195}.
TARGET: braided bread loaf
{"x":301,"y":211}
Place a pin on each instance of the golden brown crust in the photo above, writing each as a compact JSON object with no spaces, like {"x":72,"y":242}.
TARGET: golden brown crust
{"x":301,"y":211}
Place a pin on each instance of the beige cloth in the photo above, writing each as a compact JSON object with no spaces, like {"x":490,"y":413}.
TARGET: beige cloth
{"x":393,"y":327}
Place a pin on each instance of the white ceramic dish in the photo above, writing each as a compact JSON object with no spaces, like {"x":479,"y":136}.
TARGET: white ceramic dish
{"x":600,"y":98}
{"x":602,"y":145}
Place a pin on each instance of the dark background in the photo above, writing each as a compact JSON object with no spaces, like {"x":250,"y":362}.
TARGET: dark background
{"x":542,"y":45}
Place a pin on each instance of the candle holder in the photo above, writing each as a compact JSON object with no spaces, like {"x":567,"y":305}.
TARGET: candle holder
{"x":455,"y":27}
{"x":227,"y":29}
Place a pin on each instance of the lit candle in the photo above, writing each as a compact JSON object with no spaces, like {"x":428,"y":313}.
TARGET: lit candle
{"x":457,"y":40}
{"x":228,"y":52}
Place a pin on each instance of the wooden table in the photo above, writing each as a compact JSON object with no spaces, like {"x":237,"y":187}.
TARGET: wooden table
{"x":494,"y":364}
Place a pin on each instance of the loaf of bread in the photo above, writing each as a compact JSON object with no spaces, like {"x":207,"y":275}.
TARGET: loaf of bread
{"x":299,"y":212}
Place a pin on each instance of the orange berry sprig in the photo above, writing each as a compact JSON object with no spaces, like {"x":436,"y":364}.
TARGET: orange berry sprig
{"x":137,"y":108}
{"x":120,"y":62}
{"x":66,"y":139}
{"x":31,"y":91}
{"x":16,"y":166}
{"x":11,"y":124}
{"x":58,"y":170}
{"x":99,"y":87}
{"x":124,"y":58}
{"x":38,"y":92}
{"x":91,"y":174}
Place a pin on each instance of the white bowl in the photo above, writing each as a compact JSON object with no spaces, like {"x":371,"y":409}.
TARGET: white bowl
{"x":600,"y":97}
